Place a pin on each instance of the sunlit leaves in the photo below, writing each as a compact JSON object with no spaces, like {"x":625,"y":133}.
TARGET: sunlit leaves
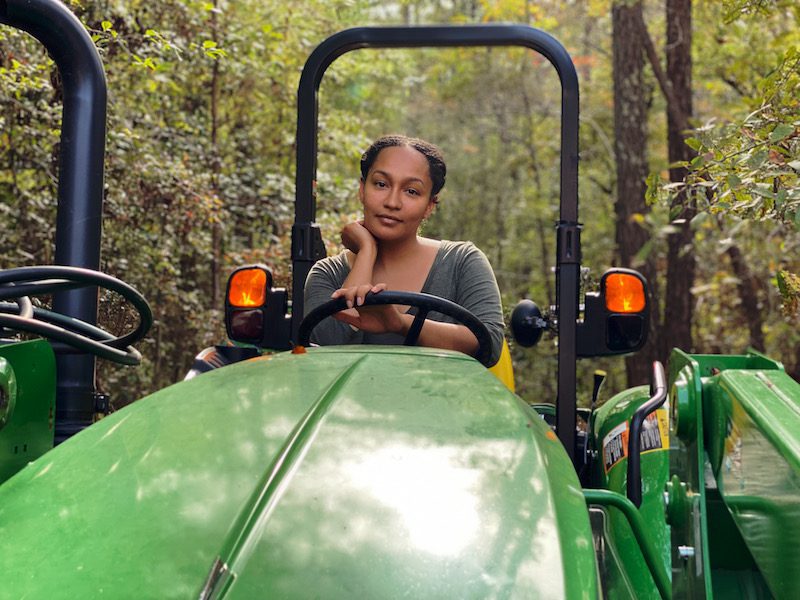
{"x":789,"y":287}
{"x":748,"y":150}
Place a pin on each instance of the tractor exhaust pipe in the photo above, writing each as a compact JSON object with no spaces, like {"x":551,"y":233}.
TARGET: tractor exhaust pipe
{"x":80,"y":184}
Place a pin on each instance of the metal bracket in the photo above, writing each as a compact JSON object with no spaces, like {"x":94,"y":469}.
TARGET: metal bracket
{"x":102,"y":403}
{"x":307,"y":245}
{"x":568,"y":236}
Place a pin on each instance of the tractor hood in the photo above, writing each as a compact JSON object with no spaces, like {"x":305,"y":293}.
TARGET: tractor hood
{"x":342,"y":472}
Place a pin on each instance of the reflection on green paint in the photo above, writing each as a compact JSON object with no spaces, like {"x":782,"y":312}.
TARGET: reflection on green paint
{"x":419,"y":474}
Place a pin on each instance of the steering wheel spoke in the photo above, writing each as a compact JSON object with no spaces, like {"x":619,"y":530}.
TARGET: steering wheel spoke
{"x":416,"y":328}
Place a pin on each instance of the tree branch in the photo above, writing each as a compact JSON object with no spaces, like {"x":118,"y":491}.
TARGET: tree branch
{"x":673,"y":107}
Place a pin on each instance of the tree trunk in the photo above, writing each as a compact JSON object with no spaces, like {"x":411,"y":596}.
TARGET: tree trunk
{"x":748,"y":293}
{"x":678,"y":305}
{"x":630,"y":149}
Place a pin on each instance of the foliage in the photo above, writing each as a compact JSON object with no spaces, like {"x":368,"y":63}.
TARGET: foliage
{"x":789,"y":286}
{"x":199,"y":158}
{"x":200,"y":154}
{"x":748,"y":166}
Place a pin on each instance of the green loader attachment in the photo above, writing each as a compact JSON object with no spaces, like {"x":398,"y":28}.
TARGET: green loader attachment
{"x":733,"y":494}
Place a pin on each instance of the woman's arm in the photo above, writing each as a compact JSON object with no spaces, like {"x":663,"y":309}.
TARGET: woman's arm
{"x":465,"y":276}
{"x":477,"y":291}
{"x":324,"y":278}
{"x":358,"y":282}
{"x":448,"y":336}
{"x":388,"y":319}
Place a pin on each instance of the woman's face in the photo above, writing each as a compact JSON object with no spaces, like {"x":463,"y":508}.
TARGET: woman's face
{"x":396,"y":193}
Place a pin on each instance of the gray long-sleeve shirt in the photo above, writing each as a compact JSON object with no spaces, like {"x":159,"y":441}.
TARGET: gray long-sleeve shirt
{"x":460,"y":272}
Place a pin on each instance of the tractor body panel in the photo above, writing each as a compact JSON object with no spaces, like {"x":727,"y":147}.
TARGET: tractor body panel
{"x":734,"y":495}
{"x":755,"y":417}
{"x":380,"y":472}
{"x":30,"y":371}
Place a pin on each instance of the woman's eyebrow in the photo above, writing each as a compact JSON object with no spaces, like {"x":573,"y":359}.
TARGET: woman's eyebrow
{"x":388,"y":176}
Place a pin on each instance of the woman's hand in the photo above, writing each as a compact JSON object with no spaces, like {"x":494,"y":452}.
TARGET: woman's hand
{"x":371,"y":319}
{"x":356,"y":237}
{"x":355,"y":295}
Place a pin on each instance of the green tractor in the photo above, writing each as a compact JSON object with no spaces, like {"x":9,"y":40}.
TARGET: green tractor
{"x":282,"y":470}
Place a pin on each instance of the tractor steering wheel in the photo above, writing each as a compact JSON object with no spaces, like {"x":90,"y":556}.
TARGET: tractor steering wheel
{"x":424,"y":303}
{"x":17,"y":313}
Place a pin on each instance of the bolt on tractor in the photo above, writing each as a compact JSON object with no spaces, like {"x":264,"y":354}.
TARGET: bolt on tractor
{"x":279,"y":469}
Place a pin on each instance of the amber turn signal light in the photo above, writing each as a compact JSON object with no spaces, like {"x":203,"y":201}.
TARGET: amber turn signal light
{"x":248,"y":288}
{"x":255,"y":312}
{"x":624,"y":293}
{"x":616,"y":319}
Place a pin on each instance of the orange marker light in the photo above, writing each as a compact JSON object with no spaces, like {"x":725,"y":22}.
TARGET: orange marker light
{"x":248,"y":288}
{"x":624,"y":293}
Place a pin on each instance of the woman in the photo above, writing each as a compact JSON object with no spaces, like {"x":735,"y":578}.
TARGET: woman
{"x":401,"y":178}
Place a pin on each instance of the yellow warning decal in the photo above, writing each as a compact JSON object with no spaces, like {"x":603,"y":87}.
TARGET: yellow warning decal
{"x":615,"y":446}
{"x":653,"y":437}
{"x":655,"y":431}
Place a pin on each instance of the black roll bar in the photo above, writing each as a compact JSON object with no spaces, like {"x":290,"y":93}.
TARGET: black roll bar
{"x":306,"y":242}
{"x":80,"y":183}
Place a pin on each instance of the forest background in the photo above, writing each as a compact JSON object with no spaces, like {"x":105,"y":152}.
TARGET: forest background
{"x":690,"y":129}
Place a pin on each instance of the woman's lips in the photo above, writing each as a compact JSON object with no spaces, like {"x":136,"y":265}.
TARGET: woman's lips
{"x":387,"y":220}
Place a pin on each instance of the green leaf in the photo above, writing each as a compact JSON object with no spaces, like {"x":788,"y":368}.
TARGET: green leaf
{"x":764,"y":190}
{"x":698,"y":220}
{"x":694,"y":143}
{"x":651,"y":193}
{"x":698,"y":161}
{"x":644,"y":251}
{"x":780,"y":198}
{"x":782,"y":287}
{"x":757,"y":159}
{"x":106,"y":25}
{"x":781,"y":132}
{"x":209,"y":44}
